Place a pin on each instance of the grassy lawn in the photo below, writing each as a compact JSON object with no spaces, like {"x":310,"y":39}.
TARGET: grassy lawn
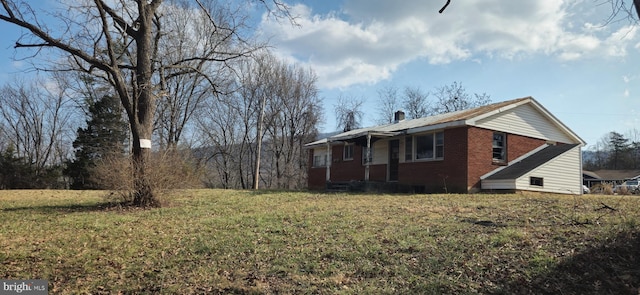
{"x":243,"y":242}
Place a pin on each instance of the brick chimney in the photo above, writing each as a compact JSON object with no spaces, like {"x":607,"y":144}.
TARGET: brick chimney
{"x":398,"y":117}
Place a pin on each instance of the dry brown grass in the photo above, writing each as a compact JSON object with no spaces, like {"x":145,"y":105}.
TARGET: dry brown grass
{"x":247,"y":242}
{"x":167,"y":171}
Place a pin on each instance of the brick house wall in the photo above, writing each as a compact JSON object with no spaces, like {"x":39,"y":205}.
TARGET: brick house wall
{"x":468,"y":154}
{"x":440,"y":175}
{"x":480,"y":152}
{"x":316,"y":175}
{"x":344,"y":170}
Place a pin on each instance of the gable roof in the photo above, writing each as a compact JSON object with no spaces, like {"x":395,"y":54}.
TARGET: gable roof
{"x":447,"y":120}
{"x":531,"y":162}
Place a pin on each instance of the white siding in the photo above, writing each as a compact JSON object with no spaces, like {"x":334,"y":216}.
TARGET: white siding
{"x":560,"y":175}
{"x":319,"y":151}
{"x":498,"y":184}
{"x":525,"y":120}
{"x":381,"y":152}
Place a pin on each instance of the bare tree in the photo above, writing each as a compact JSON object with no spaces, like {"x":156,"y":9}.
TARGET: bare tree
{"x":293,"y":113}
{"x":228,"y":140}
{"x":184,"y":83}
{"x":224,"y":142}
{"x":624,"y":9}
{"x":454,"y":97}
{"x":273,"y":96}
{"x":36,"y":116}
{"x":416,"y":103}
{"x":388,"y":104}
{"x":349,"y":113}
{"x":119,"y":42}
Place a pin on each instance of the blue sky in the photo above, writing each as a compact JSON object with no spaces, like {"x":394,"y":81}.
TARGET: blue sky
{"x":563,"y":53}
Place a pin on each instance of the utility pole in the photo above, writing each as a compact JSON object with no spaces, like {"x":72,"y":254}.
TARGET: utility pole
{"x":256,"y":179}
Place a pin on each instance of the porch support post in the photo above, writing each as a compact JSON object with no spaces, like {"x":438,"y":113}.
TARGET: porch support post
{"x":328,"y":159}
{"x":366,"y":158}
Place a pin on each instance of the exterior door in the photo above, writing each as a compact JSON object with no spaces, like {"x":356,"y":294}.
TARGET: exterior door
{"x":394,"y":159}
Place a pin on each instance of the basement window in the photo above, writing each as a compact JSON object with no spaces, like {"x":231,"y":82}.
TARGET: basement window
{"x":536,"y":181}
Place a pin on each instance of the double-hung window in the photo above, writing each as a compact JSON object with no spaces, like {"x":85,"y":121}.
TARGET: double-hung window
{"x":320,"y":160}
{"x":408,"y":148}
{"x":499,"y":147}
{"x":347,"y":153}
{"x":439,"y":145}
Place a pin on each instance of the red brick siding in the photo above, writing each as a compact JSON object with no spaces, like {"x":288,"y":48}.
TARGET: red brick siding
{"x":480,"y":152}
{"x":377,"y":172}
{"x":344,"y":170}
{"x":434,"y":176}
{"x":468,"y":155}
{"x":348,"y":170}
{"x":317,"y":175}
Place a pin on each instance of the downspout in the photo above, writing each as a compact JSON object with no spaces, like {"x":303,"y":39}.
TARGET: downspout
{"x":367,"y":157}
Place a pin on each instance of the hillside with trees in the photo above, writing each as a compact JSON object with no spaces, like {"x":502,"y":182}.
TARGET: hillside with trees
{"x":614,"y":151}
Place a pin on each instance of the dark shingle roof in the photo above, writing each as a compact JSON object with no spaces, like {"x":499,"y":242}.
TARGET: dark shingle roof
{"x":531,"y":162}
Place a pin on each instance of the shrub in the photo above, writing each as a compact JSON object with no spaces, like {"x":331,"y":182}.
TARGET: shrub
{"x":602,"y":188}
{"x":168,"y":170}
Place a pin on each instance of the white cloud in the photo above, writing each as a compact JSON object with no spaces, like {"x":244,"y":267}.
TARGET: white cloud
{"x":366,"y":40}
{"x":17,"y":64}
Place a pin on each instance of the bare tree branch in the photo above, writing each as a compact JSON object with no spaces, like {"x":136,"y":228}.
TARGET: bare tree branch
{"x":445,"y":6}
{"x":118,"y":20}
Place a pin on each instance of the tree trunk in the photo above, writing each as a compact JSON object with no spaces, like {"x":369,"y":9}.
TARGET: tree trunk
{"x":143,"y":195}
{"x":142,"y":123}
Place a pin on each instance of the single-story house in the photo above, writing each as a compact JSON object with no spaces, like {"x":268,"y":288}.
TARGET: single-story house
{"x":614,"y":177}
{"x":513,"y":145}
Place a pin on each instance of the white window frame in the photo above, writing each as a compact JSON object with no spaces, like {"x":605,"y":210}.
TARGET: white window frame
{"x":502,"y":149}
{"x":320,"y":160}
{"x":408,"y":148}
{"x":434,"y":145}
{"x":348,"y":151}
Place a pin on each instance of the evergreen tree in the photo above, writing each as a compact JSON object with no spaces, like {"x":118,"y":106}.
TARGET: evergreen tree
{"x":14,"y":172}
{"x":619,"y":148}
{"x":105,"y":134}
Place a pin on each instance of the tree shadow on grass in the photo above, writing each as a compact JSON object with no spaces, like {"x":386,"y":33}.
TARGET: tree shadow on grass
{"x":612,"y":268}
{"x":70,"y":208}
